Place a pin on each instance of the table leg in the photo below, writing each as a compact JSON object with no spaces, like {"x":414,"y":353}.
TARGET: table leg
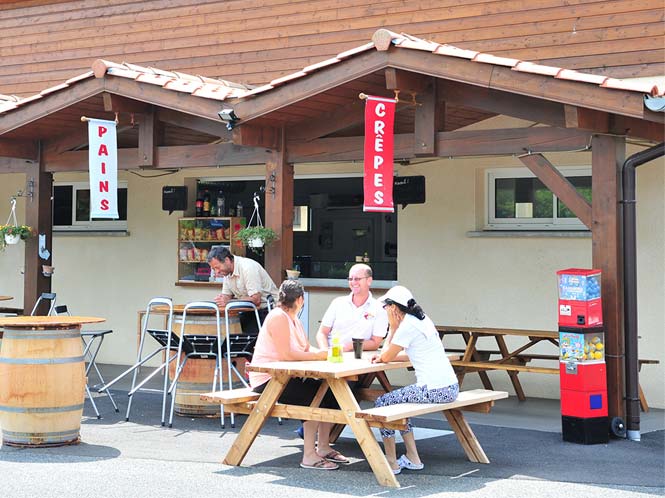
{"x":470,"y":353}
{"x":465,"y":436}
{"x":364,"y":435}
{"x":505,"y":353}
{"x":256,"y":420}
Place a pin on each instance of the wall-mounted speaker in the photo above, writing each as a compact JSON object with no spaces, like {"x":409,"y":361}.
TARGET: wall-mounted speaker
{"x":174,"y":198}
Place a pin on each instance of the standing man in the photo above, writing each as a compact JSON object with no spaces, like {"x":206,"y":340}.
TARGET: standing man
{"x":355,"y":315}
{"x":244,"y":279}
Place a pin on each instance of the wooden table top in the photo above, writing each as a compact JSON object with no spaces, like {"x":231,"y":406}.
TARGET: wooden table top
{"x":6,"y":298}
{"x":545,"y":334}
{"x":322,"y":369}
{"x":42,"y":321}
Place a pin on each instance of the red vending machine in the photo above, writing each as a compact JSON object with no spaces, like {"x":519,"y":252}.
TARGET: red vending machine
{"x":583,"y":379}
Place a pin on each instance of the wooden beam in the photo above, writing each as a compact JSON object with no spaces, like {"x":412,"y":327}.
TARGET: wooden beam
{"x":279,"y":212}
{"x":559,"y":185}
{"x":606,"y":160}
{"x":587,"y":119}
{"x":532,"y":85}
{"x":343,"y":117}
{"x":156,"y":95}
{"x":147,"y":139}
{"x":39,"y":216}
{"x":18,"y":149}
{"x":405,"y":81}
{"x":202,"y":125}
{"x":50,"y":104}
{"x":509,"y":141}
{"x":637,"y":128}
{"x":71,"y":140}
{"x":313,"y":84}
{"x":497,"y":102}
{"x":11,"y":165}
{"x":427,"y":122}
{"x":257,"y":136}
{"x":116,"y":103}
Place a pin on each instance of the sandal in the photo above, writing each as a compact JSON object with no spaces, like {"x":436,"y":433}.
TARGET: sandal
{"x":322,"y":464}
{"x":336,"y":457}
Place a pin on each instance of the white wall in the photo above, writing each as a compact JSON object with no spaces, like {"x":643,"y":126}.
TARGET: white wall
{"x":504,"y":282}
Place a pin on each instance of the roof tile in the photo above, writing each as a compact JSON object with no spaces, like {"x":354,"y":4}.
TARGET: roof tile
{"x":530,"y":67}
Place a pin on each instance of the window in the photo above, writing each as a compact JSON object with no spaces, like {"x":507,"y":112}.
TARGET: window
{"x":518,"y":200}
{"x":71,"y":209}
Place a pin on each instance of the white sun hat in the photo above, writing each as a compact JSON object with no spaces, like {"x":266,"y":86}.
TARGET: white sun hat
{"x":398,"y":294}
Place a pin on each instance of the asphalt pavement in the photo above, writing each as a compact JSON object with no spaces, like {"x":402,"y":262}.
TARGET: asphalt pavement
{"x":140,"y":458}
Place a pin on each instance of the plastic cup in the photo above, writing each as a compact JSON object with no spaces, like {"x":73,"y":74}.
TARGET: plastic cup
{"x":358,"y":348}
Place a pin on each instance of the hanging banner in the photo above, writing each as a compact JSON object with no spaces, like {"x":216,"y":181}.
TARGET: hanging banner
{"x":378,"y":181}
{"x":103,"y":164}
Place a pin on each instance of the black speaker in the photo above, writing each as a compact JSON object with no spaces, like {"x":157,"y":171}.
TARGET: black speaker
{"x":409,"y":190}
{"x":174,"y":198}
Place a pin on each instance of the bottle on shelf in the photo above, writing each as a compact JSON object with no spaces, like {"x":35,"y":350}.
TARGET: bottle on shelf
{"x":199,"y":206}
{"x":221,"y":204}
{"x":239,"y":209}
{"x":206,"y":203}
{"x":335,"y":351}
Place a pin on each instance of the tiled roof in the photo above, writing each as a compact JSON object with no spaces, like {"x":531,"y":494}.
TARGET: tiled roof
{"x":383,"y":39}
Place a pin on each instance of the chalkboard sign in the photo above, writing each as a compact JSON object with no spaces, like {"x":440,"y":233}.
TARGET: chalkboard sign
{"x":409,"y":190}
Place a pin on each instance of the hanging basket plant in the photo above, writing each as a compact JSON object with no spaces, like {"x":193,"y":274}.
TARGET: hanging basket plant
{"x":12,"y":233}
{"x":256,"y":237}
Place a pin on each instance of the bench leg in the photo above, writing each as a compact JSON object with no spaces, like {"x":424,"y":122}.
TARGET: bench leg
{"x":363,"y":433}
{"x":465,"y":436}
{"x":256,"y":420}
{"x":513,"y":375}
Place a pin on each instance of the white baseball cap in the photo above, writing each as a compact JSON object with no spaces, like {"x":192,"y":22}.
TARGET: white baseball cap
{"x":398,"y":294}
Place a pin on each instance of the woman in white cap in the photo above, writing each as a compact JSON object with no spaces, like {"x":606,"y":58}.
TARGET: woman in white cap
{"x":413,"y":336}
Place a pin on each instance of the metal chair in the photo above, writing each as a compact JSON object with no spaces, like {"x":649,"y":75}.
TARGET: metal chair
{"x":198,"y":346}
{"x":92,"y":343}
{"x":168,"y":342}
{"x":45,"y":296}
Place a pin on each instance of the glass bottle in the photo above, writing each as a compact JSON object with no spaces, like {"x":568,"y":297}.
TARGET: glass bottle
{"x":221,"y":204}
{"x":335,"y":351}
{"x":199,"y":206}
{"x":239,"y":210}
{"x":206,"y":203}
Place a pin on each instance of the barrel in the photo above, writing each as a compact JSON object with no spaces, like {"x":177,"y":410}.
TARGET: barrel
{"x":198,"y":374}
{"x":42,"y":386}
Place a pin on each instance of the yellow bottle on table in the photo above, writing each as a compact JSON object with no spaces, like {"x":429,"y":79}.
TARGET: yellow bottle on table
{"x":335,"y":351}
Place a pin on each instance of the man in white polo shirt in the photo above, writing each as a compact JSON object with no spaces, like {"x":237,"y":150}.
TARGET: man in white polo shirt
{"x":356,"y":315}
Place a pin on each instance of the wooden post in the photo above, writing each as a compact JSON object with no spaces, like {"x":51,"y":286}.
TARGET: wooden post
{"x":607,"y":157}
{"x":279,"y":212}
{"x":39,"y":216}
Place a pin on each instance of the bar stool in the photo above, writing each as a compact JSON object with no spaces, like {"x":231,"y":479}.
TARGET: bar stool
{"x":168,"y":342}
{"x":92,"y":343}
{"x":198,"y":346}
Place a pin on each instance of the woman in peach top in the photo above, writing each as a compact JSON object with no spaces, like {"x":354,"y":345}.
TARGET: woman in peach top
{"x":282,"y":338}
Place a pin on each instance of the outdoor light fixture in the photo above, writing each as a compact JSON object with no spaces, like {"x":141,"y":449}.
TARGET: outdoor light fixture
{"x":229,"y":117}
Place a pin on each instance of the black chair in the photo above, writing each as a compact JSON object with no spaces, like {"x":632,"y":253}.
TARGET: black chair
{"x":92,"y":343}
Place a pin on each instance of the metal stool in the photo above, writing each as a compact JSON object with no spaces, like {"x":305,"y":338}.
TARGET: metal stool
{"x":168,"y":342}
{"x":45,"y":296}
{"x":198,"y":346}
{"x":92,"y":343}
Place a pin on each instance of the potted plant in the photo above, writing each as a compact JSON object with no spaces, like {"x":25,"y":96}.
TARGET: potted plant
{"x":11,"y":234}
{"x":256,"y":237}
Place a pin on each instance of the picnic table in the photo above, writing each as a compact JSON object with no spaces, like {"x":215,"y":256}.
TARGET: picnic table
{"x":336,"y":377}
{"x":515,"y":360}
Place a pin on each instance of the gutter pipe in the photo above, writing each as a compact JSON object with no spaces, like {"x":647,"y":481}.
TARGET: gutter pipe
{"x":630,"y":285}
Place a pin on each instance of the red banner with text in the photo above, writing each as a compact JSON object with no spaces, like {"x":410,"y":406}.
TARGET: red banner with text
{"x":378,"y":181}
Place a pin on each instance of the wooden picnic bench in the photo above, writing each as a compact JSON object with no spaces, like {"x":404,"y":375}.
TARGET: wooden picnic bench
{"x":335,"y":376}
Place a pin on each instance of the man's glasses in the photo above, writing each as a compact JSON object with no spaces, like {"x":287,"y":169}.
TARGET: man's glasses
{"x":355,"y":279}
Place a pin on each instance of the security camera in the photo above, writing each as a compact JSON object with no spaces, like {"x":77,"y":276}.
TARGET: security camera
{"x":228,"y":115}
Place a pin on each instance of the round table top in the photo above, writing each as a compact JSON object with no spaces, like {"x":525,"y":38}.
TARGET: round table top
{"x":6,"y":298}
{"x":42,"y":321}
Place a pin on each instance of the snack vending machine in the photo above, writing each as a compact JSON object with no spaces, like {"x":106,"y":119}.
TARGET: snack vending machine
{"x":583,"y":379}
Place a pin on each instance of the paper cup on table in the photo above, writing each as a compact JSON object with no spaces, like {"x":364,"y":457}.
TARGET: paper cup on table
{"x":358,"y":347}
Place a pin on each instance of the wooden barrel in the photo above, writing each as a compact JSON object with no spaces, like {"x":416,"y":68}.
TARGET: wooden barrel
{"x":42,"y":386}
{"x":198,"y":374}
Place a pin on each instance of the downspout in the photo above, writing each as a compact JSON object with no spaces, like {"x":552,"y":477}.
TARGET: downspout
{"x":630,"y":286}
